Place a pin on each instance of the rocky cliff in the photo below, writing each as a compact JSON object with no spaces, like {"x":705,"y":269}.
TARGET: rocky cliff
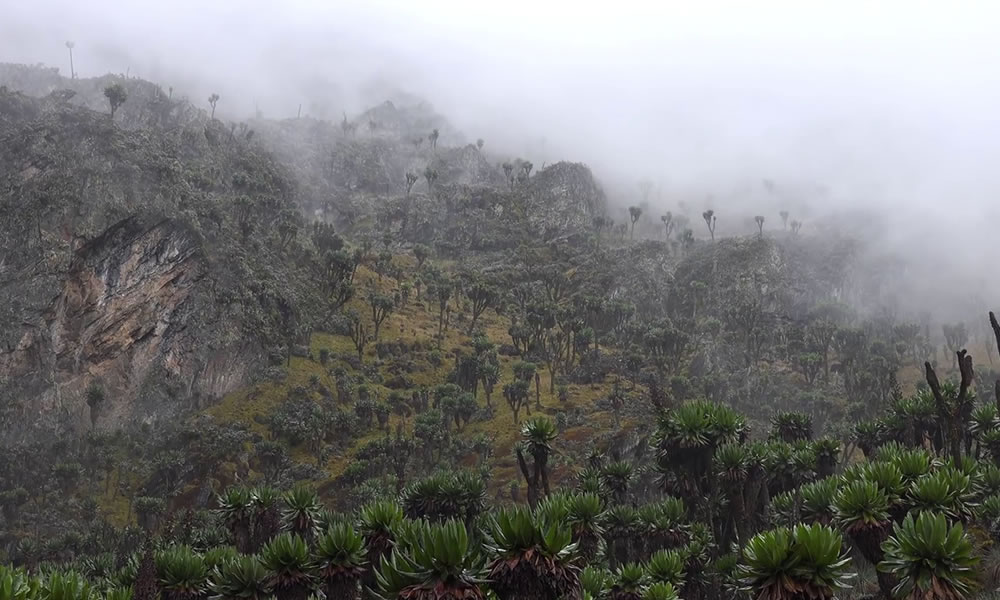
{"x":126,"y":265}
{"x":158,"y":257}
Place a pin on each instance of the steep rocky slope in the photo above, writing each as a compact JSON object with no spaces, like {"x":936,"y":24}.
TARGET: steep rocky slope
{"x":155,"y":256}
{"x":123,"y":265}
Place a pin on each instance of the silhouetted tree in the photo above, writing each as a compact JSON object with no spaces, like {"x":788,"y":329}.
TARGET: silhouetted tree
{"x":709,"y":216}
{"x":668,"y":223}
{"x":796,"y":226}
{"x":482,"y":295}
{"x":411,"y":178}
{"x":433,"y":138}
{"x":116,"y":95}
{"x":508,"y":171}
{"x":479,"y":144}
{"x":516,"y":394}
{"x":634,"y":212}
{"x":382,"y":306}
{"x":526,"y":167}
{"x":213,"y":100}
{"x":760,"y":225}
{"x":784,"y":218}
{"x":431,"y":176}
{"x":72,"y":71}
{"x":489,"y":376}
{"x":953,"y":412}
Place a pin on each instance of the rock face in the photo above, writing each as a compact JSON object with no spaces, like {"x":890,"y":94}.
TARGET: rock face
{"x":124,"y":264}
{"x":148,"y":254}
{"x":121,"y":319}
{"x":566,"y":196}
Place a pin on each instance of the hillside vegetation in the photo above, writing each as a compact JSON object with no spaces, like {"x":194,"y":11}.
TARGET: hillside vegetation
{"x":359,"y":359}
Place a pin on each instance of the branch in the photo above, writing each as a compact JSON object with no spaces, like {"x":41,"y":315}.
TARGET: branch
{"x":996,"y":329}
{"x":996,"y":394}
{"x":524,"y":468}
{"x":968,"y":377}
{"x":932,"y":382}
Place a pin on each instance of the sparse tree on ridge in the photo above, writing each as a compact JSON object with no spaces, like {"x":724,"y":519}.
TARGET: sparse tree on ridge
{"x":508,"y":171}
{"x":709,"y":216}
{"x":784,"y":218}
{"x":213,"y":100}
{"x":526,"y":167}
{"x":411,"y":178}
{"x":72,"y":71}
{"x":668,"y":223}
{"x":634,"y":212}
{"x":116,"y":95}
{"x":760,"y":225}
{"x":433,"y":138}
{"x":431,"y":176}
{"x":479,"y":144}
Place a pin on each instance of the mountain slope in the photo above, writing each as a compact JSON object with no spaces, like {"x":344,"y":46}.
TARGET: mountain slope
{"x":125,"y":265}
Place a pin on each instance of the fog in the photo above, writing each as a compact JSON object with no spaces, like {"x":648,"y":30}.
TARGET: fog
{"x":889,"y":107}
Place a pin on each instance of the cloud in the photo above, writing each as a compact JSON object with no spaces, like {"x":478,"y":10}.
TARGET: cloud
{"x":889,"y":105}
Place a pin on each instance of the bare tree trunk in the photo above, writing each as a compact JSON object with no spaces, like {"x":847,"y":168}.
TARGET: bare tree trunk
{"x":953,"y":417}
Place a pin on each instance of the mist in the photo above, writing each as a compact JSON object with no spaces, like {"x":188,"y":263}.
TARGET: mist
{"x":846,"y":107}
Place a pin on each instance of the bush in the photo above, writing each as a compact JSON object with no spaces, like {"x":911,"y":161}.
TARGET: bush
{"x":561,"y":421}
{"x":297,"y":419}
{"x":399,"y":382}
{"x":390,"y":349}
{"x":508,"y":350}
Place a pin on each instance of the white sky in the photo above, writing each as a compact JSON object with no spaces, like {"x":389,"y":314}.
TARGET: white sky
{"x":891,"y":104}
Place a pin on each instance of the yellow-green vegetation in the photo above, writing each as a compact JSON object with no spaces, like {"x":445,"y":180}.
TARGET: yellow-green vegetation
{"x":416,"y":322}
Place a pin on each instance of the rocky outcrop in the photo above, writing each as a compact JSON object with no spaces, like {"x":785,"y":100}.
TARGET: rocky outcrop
{"x":565,"y":196}
{"x":127,"y":264}
{"x":121,"y":322}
